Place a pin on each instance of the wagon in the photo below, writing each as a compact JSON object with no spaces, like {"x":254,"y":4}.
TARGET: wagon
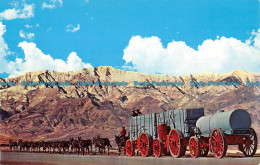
{"x":162,"y":133}
{"x":215,"y":132}
{"x":172,"y":132}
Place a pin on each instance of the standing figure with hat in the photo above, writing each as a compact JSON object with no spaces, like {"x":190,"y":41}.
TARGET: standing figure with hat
{"x":123,"y":132}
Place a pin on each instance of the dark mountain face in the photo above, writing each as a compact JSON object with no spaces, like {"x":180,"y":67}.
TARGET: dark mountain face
{"x":45,"y":112}
{"x":4,"y":114}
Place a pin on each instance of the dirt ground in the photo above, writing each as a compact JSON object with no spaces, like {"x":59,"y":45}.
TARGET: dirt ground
{"x":22,"y":158}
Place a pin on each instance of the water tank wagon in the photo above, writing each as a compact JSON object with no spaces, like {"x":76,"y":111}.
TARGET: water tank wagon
{"x":226,"y":121}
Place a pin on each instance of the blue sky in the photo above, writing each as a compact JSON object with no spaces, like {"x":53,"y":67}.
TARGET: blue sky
{"x":150,"y":36}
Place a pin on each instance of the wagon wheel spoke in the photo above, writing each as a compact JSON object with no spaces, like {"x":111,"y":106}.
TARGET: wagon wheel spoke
{"x":251,"y":147}
{"x":214,"y":138}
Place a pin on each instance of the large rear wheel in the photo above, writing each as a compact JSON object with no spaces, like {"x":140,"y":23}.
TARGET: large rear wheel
{"x":145,"y":144}
{"x":175,"y":143}
{"x":250,"y":145}
{"x":218,"y":143}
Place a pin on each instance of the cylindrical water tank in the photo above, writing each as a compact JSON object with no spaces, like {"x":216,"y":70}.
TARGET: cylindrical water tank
{"x":229,"y":120}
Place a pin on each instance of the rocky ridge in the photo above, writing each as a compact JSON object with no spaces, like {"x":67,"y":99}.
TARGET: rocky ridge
{"x":58,"y":112}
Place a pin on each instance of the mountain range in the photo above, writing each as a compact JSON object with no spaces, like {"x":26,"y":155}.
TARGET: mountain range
{"x":105,"y":102}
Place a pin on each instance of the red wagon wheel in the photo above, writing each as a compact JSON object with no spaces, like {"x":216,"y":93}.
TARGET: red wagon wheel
{"x":250,"y":145}
{"x":175,"y":144}
{"x":218,"y":143}
{"x":194,"y":147}
{"x":130,"y":148}
{"x":157,"y":147}
{"x":145,"y":144}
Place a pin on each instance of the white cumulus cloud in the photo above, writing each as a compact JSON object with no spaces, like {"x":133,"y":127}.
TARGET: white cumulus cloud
{"x":52,"y":4}
{"x":147,"y":55}
{"x":26,"y":11}
{"x":26,"y":35}
{"x":71,"y":28}
{"x":34,"y":59}
{"x":3,"y":49}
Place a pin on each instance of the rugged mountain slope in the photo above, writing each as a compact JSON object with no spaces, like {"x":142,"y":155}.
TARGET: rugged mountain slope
{"x":51,"y":112}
